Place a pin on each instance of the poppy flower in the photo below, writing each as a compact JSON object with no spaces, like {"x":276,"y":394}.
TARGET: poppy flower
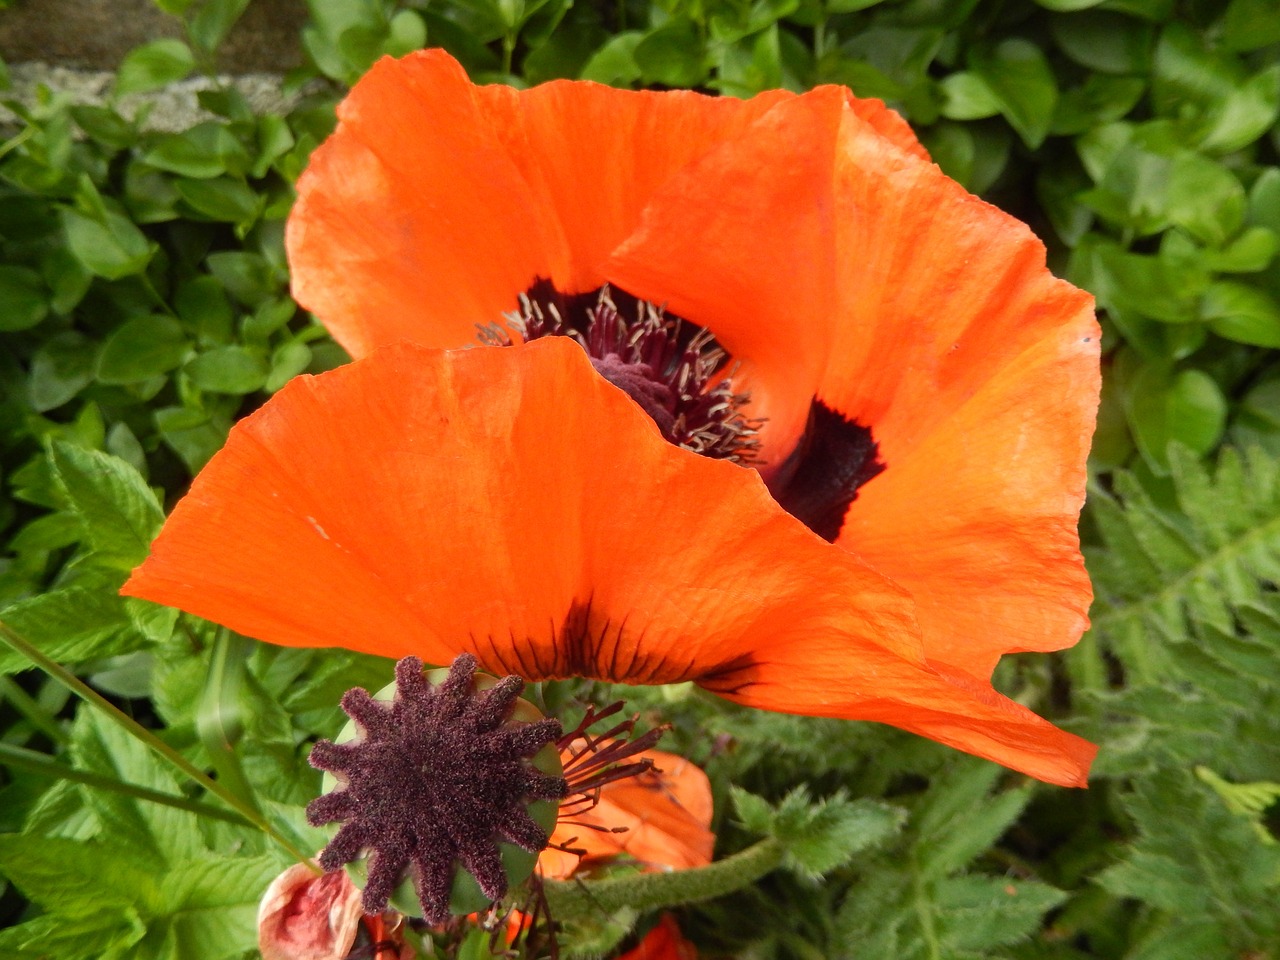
{"x":896,"y":396}
{"x":660,"y":818}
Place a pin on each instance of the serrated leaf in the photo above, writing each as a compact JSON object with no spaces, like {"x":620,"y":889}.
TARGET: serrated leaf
{"x":1216,"y":875}
{"x":1224,"y":537}
{"x":165,"y":834}
{"x":72,"y":878}
{"x":754,"y":812}
{"x":118,"y":511}
{"x":837,"y":830}
{"x":70,"y":625}
{"x":978,"y":913}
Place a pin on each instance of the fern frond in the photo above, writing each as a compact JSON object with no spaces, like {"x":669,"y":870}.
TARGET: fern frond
{"x":1165,"y":577}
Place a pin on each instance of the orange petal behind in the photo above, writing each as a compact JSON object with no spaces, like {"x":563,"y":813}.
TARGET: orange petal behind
{"x":666,"y":814}
{"x":598,"y":154}
{"x":411,"y":221}
{"x":751,"y":256}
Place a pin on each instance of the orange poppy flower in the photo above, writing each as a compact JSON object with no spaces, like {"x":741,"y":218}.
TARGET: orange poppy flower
{"x":915,"y":387}
{"x":664,"y":813}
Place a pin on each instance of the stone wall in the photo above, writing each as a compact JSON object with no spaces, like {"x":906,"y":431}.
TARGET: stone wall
{"x":96,"y":34}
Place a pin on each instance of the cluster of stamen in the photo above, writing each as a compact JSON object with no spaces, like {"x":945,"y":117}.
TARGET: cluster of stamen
{"x":674,"y":370}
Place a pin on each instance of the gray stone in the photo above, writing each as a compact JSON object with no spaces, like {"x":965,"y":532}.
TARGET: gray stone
{"x":173,"y":108}
{"x":96,"y":34}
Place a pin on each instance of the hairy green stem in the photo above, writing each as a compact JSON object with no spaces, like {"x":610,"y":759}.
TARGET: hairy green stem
{"x":137,"y":730}
{"x":643,"y":892}
{"x":39,"y":763}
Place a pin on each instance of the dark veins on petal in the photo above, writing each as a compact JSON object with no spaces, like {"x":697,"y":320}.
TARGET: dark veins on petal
{"x":438,"y":776}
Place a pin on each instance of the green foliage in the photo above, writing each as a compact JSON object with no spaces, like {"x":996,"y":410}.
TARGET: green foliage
{"x":921,"y":898}
{"x":818,"y":837}
{"x":1207,"y":884}
{"x":144,"y":308}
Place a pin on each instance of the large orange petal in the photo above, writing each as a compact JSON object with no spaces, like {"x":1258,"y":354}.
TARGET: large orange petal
{"x":665,"y":813}
{"x":411,"y":220}
{"x":977,"y":372}
{"x":512,"y":503}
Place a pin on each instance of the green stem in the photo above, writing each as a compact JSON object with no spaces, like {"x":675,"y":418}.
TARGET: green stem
{"x":26,"y":705}
{"x":508,"y":51}
{"x":651,"y":891}
{"x":38,"y":763}
{"x":137,"y":730}
{"x":219,"y":720}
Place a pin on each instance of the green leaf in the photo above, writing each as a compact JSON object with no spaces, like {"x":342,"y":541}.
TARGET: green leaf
{"x":673,"y":54}
{"x":60,"y":369}
{"x":223,"y":198}
{"x":231,"y":369}
{"x":1209,"y":559}
{"x":154,"y":65}
{"x":246,"y":276}
{"x":1106,"y":42}
{"x":978,"y":913}
{"x":1209,"y":93}
{"x":966,"y":96}
{"x":615,"y":62}
{"x":205,"y":151}
{"x":203,"y":306}
{"x":960,"y":818}
{"x":163,"y":834}
{"x":822,"y":835}
{"x":207,"y":909}
{"x":24,"y":302}
{"x":288,"y":360}
{"x":1248,"y":112}
{"x":1250,"y":24}
{"x":71,"y":625}
{"x":1164,"y":407}
{"x":71,"y":878}
{"x":406,"y":32}
{"x":1241,"y":312}
{"x":111,"y":248}
{"x":118,"y":511}
{"x":1250,"y":252}
{"x":1218,"y":877}
{"x":142,"y":348}
{"x":213,"y":21}
{"x":192,"y":435}
{"x":1018,"y":74}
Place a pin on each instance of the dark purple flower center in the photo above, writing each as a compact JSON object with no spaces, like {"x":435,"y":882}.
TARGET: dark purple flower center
{"x":438,"y":777}
{"x":682,"y":378}
{"x":673,"y":369}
